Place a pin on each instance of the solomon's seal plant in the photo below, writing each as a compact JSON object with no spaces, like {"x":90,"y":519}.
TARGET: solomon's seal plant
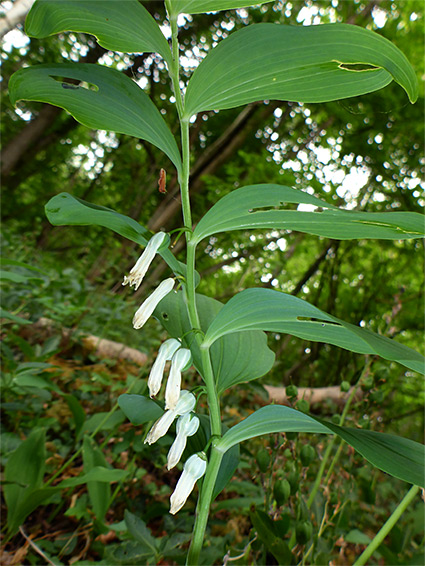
{"x":226,"y":343}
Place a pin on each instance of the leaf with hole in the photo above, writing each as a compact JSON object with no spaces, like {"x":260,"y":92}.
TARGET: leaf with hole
{"x":105,"y":99}
{"x":129,"y":30}
{"x":296,"y":63}
{"x":269,"y":206}
{"x":274,"y":311}
{"x":399,"y":457}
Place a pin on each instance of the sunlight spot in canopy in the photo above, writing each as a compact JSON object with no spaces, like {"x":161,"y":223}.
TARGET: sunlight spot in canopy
{"x":282,"y":244}
{"x":15,"y":38}
{"x":379,"y":16}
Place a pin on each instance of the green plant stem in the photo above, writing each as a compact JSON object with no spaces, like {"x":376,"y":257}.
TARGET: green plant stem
{"x":386,"y":528}
{"x":206,"y":492}
{"x":203,"y":506}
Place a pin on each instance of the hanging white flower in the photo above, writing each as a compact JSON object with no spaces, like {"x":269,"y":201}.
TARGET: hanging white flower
{"x":193,"y":469}
{"x":179,"y":362}
{"x":185,"y":404}
{"x":147,"y":308}
{"x":187,"y":425}
{"x":165,"y":353}
{"x":137,"y":273}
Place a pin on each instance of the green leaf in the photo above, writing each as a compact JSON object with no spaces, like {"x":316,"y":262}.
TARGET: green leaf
{"x":78,"y":413}
{"x":296,"y":63}
{"x":106,"y":100}
{"x":23,"y":473}
{"x":99,"y":491}
{"x":31,"y":499}
{"x":17,"y":277}
{"x":96,"y":474}
{"x":139,"y":531}
{"x":104,"y":420}
{"x":28,"y":380}
{"x":266,"y":530}
{"x":129,"y":30}
{"x":236,"y":358}
{"x":139,"y":409}
{"x":400,"y":457}
{"x":266,"y":206}
{"x":66,"y":210}
{"x":7,"y":261}
{"x":265,"y":309}
{"x":202,"y":6}
{"x":13,"y":317}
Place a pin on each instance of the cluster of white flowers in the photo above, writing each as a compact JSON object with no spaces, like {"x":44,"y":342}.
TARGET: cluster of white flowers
{"x":178,"y":403}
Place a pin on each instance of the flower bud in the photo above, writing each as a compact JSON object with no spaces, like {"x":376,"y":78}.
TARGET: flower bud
{"x":147,"y":308}
{"x":165,"y":353}
{"x":180,"y":361}
{"x":185,"y":404}
{"x":193,"y":470}
{"x":187,"y":425}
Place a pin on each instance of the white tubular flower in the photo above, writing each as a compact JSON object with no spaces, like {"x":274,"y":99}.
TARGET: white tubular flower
{"x":185,"y":404}
{"x":147,"y":308}
{"x":142,"y":265}
{"x":187,"y":425}
{"x":165,"y":353}
{"x":180,"y":361}
{"x":193,"y":469}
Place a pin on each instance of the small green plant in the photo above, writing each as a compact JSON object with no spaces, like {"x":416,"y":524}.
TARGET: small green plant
{"x":225,"y":343}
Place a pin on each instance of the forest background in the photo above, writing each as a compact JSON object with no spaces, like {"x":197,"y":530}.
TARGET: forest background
{"x":364,"y":153}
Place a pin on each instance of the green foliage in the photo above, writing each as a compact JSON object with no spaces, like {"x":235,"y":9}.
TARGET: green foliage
{"x":55,"y":387}
{"x":138,"y":30}
{"x":260,"y":206}
{"x":300,"y":64}
{"x":102,"y":99}
{"x":264,"y":309}
{"x":236,"y":358}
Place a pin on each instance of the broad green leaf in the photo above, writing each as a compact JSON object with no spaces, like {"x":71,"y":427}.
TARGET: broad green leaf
{"x":103,"y":421}
{"x":31,"y":499}
{"x":99,"y":491}
{"x":139,"y":409}
{"x":17,"y":277}
{"x":296,"y":63}
{"x":202,"y":6}
{"x":265,"y":309}
{"x":96,"y":474}
{"x":127,"y":28}
{"x":268,"y":533}
{"x":10,"y":316}
{"x":400,"y":457}
{"x":105,"y":99}
{"x":266,"y":206}
{"x":139,"y":531}
{"x":7,"y":261}
{"x":78,"y":413}
{"x":66,"y":210}
{"x":23,"y":473}
{"x":28,"y":380}
{"x":236,"y":358}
